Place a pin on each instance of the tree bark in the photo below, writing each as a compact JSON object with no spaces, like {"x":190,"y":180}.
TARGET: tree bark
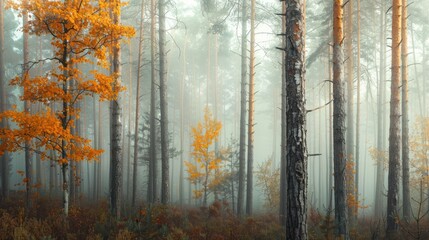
{"x":406,"y":205}
{"x":242,"y":148}
{"x":116,"y":132}
{"x":165,"y":191}
{"x":394,"y":130}
{"x":296,"y":156}
{"x":339,"y":128}
{"x":250,"y":129}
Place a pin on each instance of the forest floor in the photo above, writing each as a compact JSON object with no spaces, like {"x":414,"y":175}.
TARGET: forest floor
{"x":216,"y":222}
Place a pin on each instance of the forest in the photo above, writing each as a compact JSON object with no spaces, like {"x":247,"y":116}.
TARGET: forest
{"x":214,"y":119}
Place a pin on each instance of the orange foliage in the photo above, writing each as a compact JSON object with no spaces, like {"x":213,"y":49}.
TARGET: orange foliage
{"x":205,"y":171}
{"x":82,"y":32}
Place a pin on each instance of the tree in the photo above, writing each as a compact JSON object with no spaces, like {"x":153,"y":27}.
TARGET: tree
{"x":136,"y":122}
{"x":405,"y":130}
{"x":242,"y":151}
{"x":339,"y":118}
{"x":4,"y":160}
{"x":28,"y":168}
{"x":379,"y":188}
{"x":78,"y":30}
{"x":115,"y":119}
{"x":268,"y":180}
{"x":152,"y":182}
{"x":283,"y":193}
{"x":250,"y":128}
{"x":296,"y":148}
{"x":204,"y":171}
{"x":165,"y":192}
{"x":395,"y":114}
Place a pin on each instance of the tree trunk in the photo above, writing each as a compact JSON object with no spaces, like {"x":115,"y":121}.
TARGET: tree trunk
{"x":379,"y":197}
{"x":242,"y":148}
{"x":28,"y":162}
{"x":182,"y":126}
{"x":350,"y":105}
{"x":115,"y":133}
{"x":356,"y":188}
{"x":283,"y":194}
{"x":163,"y":105}
{"x":136,"y":121}
{"x":152,"y":188}
{"x":339,"y":118}
{"x":296,"y":149}
{"x":251,"y":124}
{"x":4,"y":160}
{"x":394,"y":130}
{"x":406,"y":205}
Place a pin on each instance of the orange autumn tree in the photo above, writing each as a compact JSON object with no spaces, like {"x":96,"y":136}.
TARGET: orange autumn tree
{"x":206,"y":170}
{"x":82,"y":32}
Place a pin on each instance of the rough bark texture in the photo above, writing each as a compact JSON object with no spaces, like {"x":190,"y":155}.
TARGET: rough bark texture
{"x":4,"y":160}
{"x":394,"y":129}
{"x":339,"y":128}
{"x":115,"y":137}
{"x":381,"y":131}
{"x":242,"y":150}
{"x":406,"y":205}
{"x":152,"y":193}
{"x":165,"y":192}
{"x":296,"y":156}
{"x":136,"y":124}
{"x":283,"y":139}
{"x":250,"y":129}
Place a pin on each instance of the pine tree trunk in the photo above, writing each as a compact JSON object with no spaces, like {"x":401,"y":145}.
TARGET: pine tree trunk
{"x":394,"y":130}
{"x":242,"y":147}
{"x":136,"y":121}
{"x":4,"y":160}
{"x":28,"y":162}
{"x":251,"y":124}
{"x":115,"y":135}
{"x":296,"y":157}
{"x":350,"y":104}
{"x":165,"y":191}
{"x":339,"y":128}
{"x":283,"y":194}
{"x":406,"y":205}
{"x":182,"y":126}
{"x":152,"y":182}
{"x":356,"y":190}
{"x":379,"y":197}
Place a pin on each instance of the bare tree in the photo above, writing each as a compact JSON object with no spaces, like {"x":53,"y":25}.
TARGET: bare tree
{"x":242,"y":151}
{"x":165,"y":192}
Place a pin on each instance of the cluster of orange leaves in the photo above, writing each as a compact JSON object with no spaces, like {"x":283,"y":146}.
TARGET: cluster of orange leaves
{"x":205,"y":171}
